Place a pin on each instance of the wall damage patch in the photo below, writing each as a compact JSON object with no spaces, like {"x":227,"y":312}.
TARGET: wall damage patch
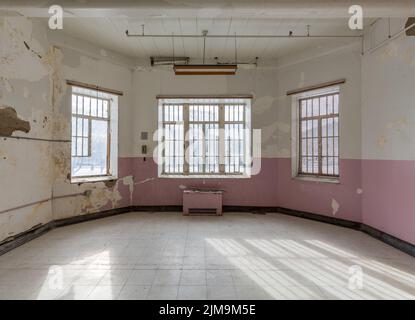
{"x":10,"y":122}
{"x":335,"y":206}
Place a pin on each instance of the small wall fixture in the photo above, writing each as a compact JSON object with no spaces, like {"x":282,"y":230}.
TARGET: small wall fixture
{"x":205,"y":69}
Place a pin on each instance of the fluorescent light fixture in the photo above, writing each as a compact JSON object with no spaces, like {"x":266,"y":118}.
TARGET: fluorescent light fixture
{"x":205,"y":69}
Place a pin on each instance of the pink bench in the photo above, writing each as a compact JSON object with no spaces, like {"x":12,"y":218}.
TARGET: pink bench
{"x":202,"y":201}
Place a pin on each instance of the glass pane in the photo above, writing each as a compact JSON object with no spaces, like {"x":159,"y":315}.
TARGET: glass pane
{"x":87,"y":103}
{"x":309,"y":108}
{"x":85,"y":131}
{"x":330,"y":127}
{"x":323,"y":106}
{"x":336,"y":127}
{"x":315,"y":107}
{"x":315,"y":128}
{"x":96,"y":163}
{"x":73,"y":104}
{"x":105,"y":109}
{"x":99,"y":113}
{"x":304,"y":129}
{"x":336,"y":104}
{"x":85,"y":147}
{"x":79,"y":103}
{"x":324,"y":127}
{"x":330,"y":105}
{"x":303,"y":108}
{"x":94,"y":107}
{"x":79,"y":132}
{"x":73,"y":126}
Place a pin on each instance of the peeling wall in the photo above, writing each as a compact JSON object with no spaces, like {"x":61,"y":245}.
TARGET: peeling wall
{"x":24,"y":164}
{"x":35,"y":103}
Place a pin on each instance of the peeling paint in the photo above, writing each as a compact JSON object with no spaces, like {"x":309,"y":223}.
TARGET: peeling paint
{"x":335,"y":206}
{"x":10,"y":122}
{"x":381,"y":142}
{"x":145,"y":180}
{"x":129,"y":181}
{"x":398,"y":124}
{"x":359,"y":191}
{"x":110,"y":183}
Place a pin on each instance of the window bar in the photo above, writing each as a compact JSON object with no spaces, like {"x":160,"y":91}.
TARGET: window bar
{"x":327,"y":140}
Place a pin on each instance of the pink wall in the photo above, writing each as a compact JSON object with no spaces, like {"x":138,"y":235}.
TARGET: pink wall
{"x":389,"y":197}
{"x":317,"y":197}
{"x":272,"y":187}
{"x":260,"y":190}
{"x":375,"y":192}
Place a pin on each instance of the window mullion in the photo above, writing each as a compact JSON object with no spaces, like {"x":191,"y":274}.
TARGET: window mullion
{"x":320,"y":149}
{"x":186,"y":138}
{"x":221,"y":139}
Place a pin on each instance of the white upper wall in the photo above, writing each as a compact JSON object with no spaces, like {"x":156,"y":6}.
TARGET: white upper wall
{"x":388,"y":100}
{"x":339,"y":64}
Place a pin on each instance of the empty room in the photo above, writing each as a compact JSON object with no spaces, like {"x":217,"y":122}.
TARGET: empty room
{"x":207,"y":150}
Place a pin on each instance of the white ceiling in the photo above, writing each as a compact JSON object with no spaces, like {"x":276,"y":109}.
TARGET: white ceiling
{"x":103,"y":23}
{"x":109,"y":33}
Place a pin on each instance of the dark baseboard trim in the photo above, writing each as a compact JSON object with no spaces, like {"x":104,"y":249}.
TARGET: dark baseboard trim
{"x":320,"y":218}
{"x":35,"y":232}
{"x":26,"y":236}
{"x":397,"y":243}
{"x":90,"y":216}
{"x":157,"y":208}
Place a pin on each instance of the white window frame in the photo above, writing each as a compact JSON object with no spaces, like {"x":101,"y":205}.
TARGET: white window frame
{"x":221,"y":103}
{"x":112,"y":150}
{"x":295,"y":135}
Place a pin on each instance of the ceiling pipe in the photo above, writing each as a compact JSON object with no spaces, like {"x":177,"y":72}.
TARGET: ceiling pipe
{"x":389,"y":39}
{"x":258,"y":36}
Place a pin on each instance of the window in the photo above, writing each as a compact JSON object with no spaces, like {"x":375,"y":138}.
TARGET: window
{"x":94,"y":135}
{"x":204,"y":137}
{"x":319,"y":134}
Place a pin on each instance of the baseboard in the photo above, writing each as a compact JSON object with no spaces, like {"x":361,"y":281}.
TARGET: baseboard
{"x":35,"y":232}
{"x":397,"y":243}
{"x":24,"y":237}
{"x":320,"y":218}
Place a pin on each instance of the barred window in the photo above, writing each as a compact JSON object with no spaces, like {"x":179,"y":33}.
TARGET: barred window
{"x":204,"y":136}
{"x":319,"y":135}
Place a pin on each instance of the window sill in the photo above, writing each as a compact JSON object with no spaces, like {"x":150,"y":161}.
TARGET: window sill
{"x":335,"y":180}
{"x":204,"y":176}
{"x":93,"y":179}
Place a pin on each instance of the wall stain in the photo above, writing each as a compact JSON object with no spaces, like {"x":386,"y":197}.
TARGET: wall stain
{"x":110,"y":183}
{"x":10,"y":122}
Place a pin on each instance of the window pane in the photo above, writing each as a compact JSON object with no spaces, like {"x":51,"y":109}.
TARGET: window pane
{"x":323,"y":106}
{"x":105,"y":109}
{"x":79,"y":103}
{"x":315,"y":107}
{"x":94,"y":107}
{"x":96,"y":163}
{"x":73,"y":103}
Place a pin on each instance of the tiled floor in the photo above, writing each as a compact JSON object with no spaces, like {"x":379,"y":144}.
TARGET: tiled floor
{"x":237,"y":256}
